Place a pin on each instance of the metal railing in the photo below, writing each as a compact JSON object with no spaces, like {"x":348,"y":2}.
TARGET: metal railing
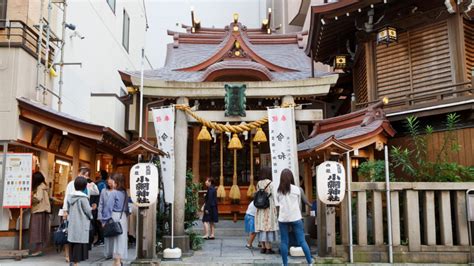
{"x":16,"y":33}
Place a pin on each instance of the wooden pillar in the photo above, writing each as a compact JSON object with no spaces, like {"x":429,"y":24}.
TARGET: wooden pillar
{"x":196,"y":153}
{"x":456,"y":46}
{"x":308,"y":182}
{"x":75,"y":157}
{"x":370,"y":66}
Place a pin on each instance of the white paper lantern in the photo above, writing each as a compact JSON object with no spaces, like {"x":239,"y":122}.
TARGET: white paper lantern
{"x":144,"y":184}
{"x":331,"y":182}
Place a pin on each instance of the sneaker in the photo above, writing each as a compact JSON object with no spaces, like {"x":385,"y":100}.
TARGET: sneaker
{"x":98,"y":243}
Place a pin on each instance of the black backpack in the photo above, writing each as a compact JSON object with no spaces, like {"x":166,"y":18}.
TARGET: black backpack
{"x":261,"y":199}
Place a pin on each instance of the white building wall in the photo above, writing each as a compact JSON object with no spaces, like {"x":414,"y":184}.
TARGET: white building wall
{"x":101,"y":54}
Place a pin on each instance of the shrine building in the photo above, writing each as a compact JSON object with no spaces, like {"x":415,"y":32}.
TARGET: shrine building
{"x":205,"y":68}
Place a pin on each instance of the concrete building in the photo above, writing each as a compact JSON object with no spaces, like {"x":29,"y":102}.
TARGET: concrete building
{"x":98,"y":38}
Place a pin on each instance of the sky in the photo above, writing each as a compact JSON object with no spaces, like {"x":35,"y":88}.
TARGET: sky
{"x":164,"y":15}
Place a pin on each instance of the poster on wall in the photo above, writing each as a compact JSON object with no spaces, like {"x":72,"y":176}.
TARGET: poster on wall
{"x":282,"y":132}
{"x":17,"y":180}
{"x":163,"y":120}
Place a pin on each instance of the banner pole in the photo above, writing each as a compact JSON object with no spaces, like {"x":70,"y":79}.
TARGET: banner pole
{"x":349,"y":204}
{"x":389,"y":207}
{"x":172,"y":225}
{"x":21,"y":229}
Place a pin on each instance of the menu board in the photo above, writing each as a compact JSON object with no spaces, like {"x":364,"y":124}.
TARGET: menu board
{"x":17,"y":180}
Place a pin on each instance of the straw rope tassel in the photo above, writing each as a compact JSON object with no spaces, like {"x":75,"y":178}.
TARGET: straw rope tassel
{"x":234,"y":190}
{"x":251,"y":189}
{"x":221,"y":189}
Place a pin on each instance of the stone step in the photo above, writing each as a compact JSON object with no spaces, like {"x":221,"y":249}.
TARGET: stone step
{"x":224,"y":231}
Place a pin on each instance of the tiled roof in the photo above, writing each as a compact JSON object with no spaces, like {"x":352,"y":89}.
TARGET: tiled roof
{"x":350,"y":128}
{"x":285,"y":52}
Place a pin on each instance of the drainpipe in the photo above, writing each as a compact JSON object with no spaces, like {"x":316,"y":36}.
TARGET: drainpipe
{"x":46,"y":59}
{"x":61,"y":63}
{"x":38,"y":50}
{"x":389,"y":208}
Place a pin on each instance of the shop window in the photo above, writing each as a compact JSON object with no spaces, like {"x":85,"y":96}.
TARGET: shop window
{"x":62,"y":176}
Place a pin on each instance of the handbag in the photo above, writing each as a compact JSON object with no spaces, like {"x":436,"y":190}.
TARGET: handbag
{"x":112,"y":228}
{"x":60,"y":235}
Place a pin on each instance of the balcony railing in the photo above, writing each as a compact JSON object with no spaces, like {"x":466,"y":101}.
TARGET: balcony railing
{"x":427,"y":97}
{"x":16,"y":33}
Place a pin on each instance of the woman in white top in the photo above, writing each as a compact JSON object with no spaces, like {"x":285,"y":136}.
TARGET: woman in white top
{"x":288,"y":198}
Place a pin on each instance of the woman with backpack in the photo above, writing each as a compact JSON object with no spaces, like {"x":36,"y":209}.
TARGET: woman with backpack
{"x":266,"y":223}
{"x":289,"y":198}
{"x":39,"y":222}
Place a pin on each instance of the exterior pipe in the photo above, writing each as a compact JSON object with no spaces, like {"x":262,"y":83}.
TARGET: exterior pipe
{"x":61,"y":63}
{"x":349,"y":205}
{"x":389,"y":208}
{"x":46,"y":58}
{"x":38,"y":50}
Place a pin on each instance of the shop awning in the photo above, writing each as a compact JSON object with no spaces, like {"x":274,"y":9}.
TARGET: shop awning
{"x":42,"y":115}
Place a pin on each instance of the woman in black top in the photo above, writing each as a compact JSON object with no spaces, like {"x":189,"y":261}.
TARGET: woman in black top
{"x":210,"y":209}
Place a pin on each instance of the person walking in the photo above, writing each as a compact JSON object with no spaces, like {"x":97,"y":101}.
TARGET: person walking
{"x":79,"y":220}
{"x":40,"y":210}
{"x":104,"y":197}
{"x":249,"y":221}
{"x":289,"y":198}
{"x":211,"y":215}
{"x":116,"y":208}
{"x":266,"y":223}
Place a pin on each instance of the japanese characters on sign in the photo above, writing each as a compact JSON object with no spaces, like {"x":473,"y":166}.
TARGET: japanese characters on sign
{"x":17,"y":181}
{"x":163,"y":119}
{"x":144,"y":184}
{"x":282,"y":132}
{"x":331,"y":182}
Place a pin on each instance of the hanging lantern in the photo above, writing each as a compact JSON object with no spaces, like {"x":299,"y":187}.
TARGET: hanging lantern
{"x":387,"y":35}
{"x":340,"y":62}
{"x":235,"y":143}
{"x":204,"y":134}
{"x":260,"y":136}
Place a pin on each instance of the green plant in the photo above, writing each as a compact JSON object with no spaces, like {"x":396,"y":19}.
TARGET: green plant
{"x":414,"y":161}
{"x":191,"y":206}
{"x":195,"y":240}
{"x":374,"y":171}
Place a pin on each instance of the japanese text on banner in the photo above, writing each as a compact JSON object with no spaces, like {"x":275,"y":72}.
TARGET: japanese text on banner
{"x":163,"y":120}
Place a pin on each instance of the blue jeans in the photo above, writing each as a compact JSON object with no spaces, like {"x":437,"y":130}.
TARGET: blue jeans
{"x":297,"y":227}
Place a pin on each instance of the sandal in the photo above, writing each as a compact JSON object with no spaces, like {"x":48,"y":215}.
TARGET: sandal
{"x":37,"y":254}
{"x":205,"y":237}
{"x":263,"y":251}
{"x":248,"y":246}
{"x":211,"y":238}
{"x":270,"y":251}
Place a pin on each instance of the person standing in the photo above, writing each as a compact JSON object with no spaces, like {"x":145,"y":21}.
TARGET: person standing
{"x":211,"y":215}
{"x":288,"y":198}
{"x":249,"y":221}
{"x":116,"y":208}
{"x":40,"y":210}
{"x":80,"y":215}
{"x":104,"y":197}
{"x":266,"y":223}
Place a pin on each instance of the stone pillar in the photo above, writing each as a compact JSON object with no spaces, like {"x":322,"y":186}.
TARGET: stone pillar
{"x":445,"y":226}
{"x":377,"y":218}
{"x":429,"y":225}
{"x":196,"y":153}
{"x":394,"y":200}
{"x":180,"y":149}
{"x":412,"y":220}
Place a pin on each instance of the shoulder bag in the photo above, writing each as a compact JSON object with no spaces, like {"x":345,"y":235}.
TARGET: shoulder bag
{"x":112,"y":228}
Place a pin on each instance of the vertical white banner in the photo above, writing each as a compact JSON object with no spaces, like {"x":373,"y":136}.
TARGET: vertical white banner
{"x":164,"y":128}
{"x":282,"y":131}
